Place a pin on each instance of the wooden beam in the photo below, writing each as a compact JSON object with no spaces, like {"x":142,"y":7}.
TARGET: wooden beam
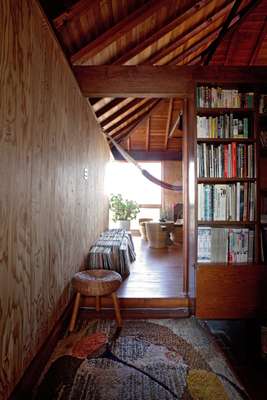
{"x":148,"y":134}
{"x":142,"y":155}
{"x":240,"y":16}
{"x":120,"y":112}
{"x":132,"y":129}
{"x":175,"y":125}
{"x":113,"y":103}
{"x":131,"y":81}
{"x":116,"y":31}
{"x":186,"y":36}
{"x":161,"y":32}
{"x":194,"y":47}
{"x":160,"y":81}
{"x":75,"y":11}
{"x":258,"y":43}
{"x":94,"y":100}
{"x":129,"y":143}
{"x":168,"y":124}
{"x":133,"y":114}
{"x":224,"y":29}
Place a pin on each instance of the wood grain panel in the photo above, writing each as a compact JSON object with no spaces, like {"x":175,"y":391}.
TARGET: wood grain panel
{"x":235,"y":294}
{"x":49,"y":213}
{"x":172,"y":173}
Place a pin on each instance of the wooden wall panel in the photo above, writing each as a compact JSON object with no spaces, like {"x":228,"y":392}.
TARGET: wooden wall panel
{"x":240,"y":293}
{"x":49,"y":213}
{"x":172,"y":173}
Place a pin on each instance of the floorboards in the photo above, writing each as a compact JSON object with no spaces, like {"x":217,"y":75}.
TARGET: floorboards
{"x":156,"y":273}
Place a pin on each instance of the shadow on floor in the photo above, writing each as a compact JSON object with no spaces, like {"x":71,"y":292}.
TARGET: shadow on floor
{"x":240,"y":341}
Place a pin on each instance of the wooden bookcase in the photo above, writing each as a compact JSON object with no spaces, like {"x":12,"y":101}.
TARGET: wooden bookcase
{"x":230,"y":289}
{"x":262,"y":127}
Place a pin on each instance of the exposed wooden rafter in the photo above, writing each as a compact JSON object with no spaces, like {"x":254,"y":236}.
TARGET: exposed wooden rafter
{"x":132,"y":115}
{"x":168,"y":124}
{"x":258,"y":44}
{"x":74,"y":12}
{"x":185,"y":36}
{"x":120,"y":112}
{"x":211,"y":50}
{"x":112,"y":104}
{"x":236,"y":20}
{"x":148,"y":134}
{"x":116,"y":31}
{"x":124,"y":134}
{"x":192,"y":49}
{"x":160,"y":33}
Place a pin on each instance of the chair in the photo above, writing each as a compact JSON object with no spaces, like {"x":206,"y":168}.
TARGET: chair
{"x":96,"y":283}
{"x":157,"y":235}
{"x":142,"y":227}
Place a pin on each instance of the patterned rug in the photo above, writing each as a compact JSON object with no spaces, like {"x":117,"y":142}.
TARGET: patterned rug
{"x":146,"y":360}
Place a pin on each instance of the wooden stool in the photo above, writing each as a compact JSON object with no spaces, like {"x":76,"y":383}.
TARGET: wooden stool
{"x":97,"y":283}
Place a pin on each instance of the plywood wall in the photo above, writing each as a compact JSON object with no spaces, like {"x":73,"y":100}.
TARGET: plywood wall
{"x":172,"y":173}
{"x":49,"y":213}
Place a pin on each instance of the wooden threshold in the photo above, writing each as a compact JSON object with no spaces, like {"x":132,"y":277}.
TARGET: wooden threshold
{"x":139,"y":303}
{"x":135,"y":313}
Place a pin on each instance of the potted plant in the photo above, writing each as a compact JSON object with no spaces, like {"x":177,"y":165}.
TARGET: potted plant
{"x":123,"y":210}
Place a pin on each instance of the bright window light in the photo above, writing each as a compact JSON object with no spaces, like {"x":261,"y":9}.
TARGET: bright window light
{"x":126,"y":179}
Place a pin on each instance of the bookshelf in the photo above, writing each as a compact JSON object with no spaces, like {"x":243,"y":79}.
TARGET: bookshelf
{"x":262,"y":129}
{"x":226,"y":176}
{"x":228,"y":200}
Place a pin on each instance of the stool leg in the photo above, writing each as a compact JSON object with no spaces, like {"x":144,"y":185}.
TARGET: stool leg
{"x":97,"y":303}
{"x":117,"y":309}
{"x":74,"y":312}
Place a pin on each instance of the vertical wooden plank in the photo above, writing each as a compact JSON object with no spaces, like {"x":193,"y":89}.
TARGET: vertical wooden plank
{"x":168,"y":124}
{"x":148,"y":134}
{"x":189,"y":174}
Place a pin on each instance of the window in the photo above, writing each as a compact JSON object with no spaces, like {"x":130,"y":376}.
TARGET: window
{"x":126,"y":179}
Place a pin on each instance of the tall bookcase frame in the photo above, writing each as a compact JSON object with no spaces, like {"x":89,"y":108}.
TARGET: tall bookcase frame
{"x":239,"y":112}
{"x":230,"y":283}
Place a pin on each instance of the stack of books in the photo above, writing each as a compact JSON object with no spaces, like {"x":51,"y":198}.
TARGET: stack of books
{"x":216,"y":97}
{"x":225,"y":245}
{"x":228,"y":202}
{"x":233,"y":160}
{"x":223,"y":127}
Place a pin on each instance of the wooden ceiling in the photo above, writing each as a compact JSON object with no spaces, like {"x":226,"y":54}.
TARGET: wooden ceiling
{"x":156,"y":32}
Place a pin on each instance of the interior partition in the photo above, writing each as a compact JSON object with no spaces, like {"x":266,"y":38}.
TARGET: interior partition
{"x":52,"y":167}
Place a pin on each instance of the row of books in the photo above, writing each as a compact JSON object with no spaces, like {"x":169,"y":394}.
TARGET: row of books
{"x":232,"y":245}
{"x":233,"y":160}
{"x":215,"y":97}
{"x":231,"y":202}
{"x":223,"y":126}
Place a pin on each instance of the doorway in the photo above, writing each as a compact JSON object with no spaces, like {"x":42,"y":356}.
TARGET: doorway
{"x":156,"y":273}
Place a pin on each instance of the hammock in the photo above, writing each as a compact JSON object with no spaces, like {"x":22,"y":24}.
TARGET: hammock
{"x":144,"y":172}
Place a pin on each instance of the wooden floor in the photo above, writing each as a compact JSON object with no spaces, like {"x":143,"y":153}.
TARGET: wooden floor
{"x":156,"y":273}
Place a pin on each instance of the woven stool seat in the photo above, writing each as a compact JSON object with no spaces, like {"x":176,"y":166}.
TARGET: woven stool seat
{"x":96,"y":282}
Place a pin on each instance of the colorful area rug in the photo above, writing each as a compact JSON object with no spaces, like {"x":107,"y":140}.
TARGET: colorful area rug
{"x":146,"y":360}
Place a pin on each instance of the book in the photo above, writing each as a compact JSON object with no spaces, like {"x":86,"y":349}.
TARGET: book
{"x":222,"y":245}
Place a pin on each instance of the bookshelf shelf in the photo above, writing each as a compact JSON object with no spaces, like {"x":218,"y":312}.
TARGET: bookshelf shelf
{"x":224,"y":140}
{"x":226,"y":265}
{"x":224,"y":180}
{"x":226,"y":223}
{"x":223,"y":110}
